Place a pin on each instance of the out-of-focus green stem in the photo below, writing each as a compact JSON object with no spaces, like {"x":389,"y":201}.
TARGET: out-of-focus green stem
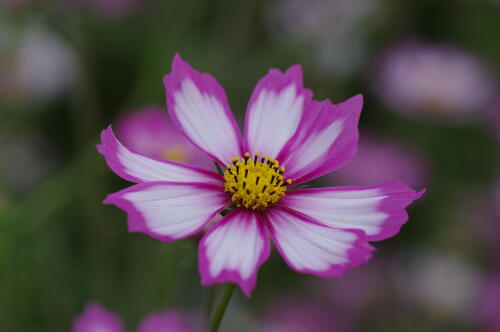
{"x":221,"y":308}
{"x":212,"y":297}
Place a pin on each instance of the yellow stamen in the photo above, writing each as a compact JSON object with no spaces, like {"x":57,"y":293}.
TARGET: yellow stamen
{"x":255,"y":183}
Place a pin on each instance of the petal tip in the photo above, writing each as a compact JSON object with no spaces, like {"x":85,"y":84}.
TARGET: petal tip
{"x":178,"y":61}
{"x":108,"y":200}
{"x":295,"y":71}
{"x":353,"y":104}
{"x":179,"y":69}
{"x":420,"y":193}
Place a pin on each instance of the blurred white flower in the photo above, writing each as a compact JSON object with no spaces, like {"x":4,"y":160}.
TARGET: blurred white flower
{"x":37,"y":65}
{"x":46,"y":65}
{"x":422,"y":79}
{"x":335,"y":32}
{"x":439,"y":283}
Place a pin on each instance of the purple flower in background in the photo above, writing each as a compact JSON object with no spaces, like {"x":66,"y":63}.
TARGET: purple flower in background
{"x":334,"y":32}
{"x":380,"y":160}
{"x":355,"y":291}
{"x":95,"y":318}
{"x":288,"y":138}
{"x":148,"y":131}
{"x":487,"y":311}
{"x":168,"y":321}
{"x":422,"y":79}
{"x":292,"y":315}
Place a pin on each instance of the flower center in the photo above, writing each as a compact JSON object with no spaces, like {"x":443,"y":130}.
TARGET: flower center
{"x":255,"y":183}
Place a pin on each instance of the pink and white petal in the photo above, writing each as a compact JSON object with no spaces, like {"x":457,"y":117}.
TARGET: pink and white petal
{"x":169,"y":211}
{"x":378,"y":211}
{"x":97,"y":318}
{"x":234,"y":250}
{"x":327,"y":139}
{"x":308,"y":247}
{"x":198,"y":105}
{"x":168,"y":321}
{"x":138,"y":168}
{"x":274,"y":111}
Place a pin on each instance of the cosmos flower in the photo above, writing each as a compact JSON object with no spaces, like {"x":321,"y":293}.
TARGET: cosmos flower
{"x":149,"y":132}
{"x":95,"y":318}
{"x":436,"y":81}
{"x":288,"y":139}
{"x":380,"y":160}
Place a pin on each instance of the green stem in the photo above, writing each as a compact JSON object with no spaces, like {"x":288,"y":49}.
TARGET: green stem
{"x":212,"y":297}
{"x":221,"y":308}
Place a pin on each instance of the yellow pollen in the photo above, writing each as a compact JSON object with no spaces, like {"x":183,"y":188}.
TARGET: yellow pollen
{"x":255,"y":183}
{"x":175,"y":153}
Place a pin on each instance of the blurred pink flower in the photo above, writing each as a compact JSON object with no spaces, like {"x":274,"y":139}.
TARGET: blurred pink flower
{"x":168,"y":321}
{"x":423,"y":79}
{"x":150,"y":132}
{"x":487,"y":311}
{"x":353,"y":293}
{"x":293,"y":315}
{"x":380,"y":160}
{"x":95,"y":318}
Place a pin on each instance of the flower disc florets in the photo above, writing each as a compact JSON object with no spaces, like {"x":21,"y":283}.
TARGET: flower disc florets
{"x":255,"y":183}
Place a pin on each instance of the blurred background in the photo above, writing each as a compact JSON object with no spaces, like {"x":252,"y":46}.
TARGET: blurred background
{"x":428,"y":71}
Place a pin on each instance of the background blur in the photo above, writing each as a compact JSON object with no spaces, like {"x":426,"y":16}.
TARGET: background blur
{"x":428,"y":71}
